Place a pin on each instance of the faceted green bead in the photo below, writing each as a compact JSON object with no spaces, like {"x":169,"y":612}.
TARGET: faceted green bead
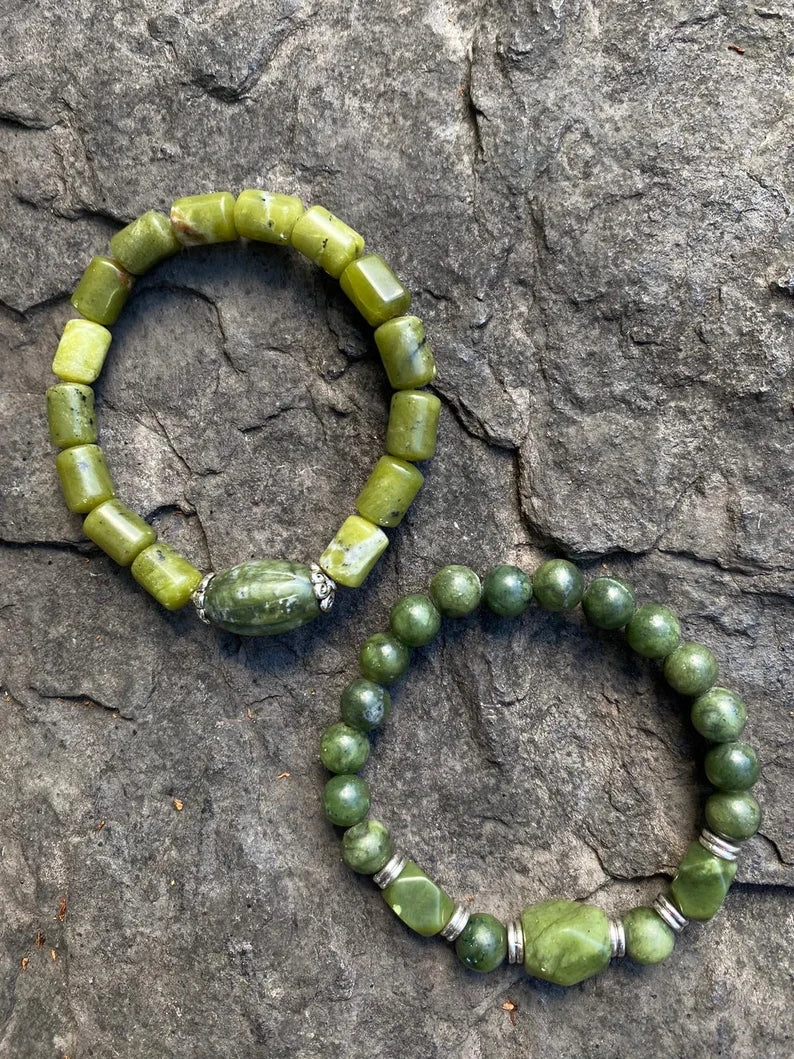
{"x":482,"y":944}
{"x":456,"y":591}
{"x":691,"y":669}
{"x":353,"y":552}
{"x":565,"y":941}
{"x":265,"y":216}
{"x":736,"y":816}
{"x":374,"y":289}
{"x":343,"y":749}
{"x":383,"y":658}
{"x":732,"y":766}
{"x":365,"y":704}
{"x":608,"y":603}
{"x":200,"y":219}
{"x":84,"y":476}
{"x":346,"y":800}
{"x":405,"y":352}
{"x":558,"y":585}
{"x":419,"y":902}
{"x":366,"y":847}
{"x":654,"y":631}
{"x":648,"y":937}
{"x":507,"y":591}
{"x":719,"y":715}
{"x":701,"y":883}
{"x":389,"y":491}
{"x":415,"y":620}
{"x":119,"y":531}
{"x":166,"y":575}
{"x":413,"y":425}
{"x":70,"y":415}
{"x":325,"y":240}
{"x":144,"y":243}
{"x":81,"y":351}
{"x":261,"y":597}
{"x":102,"y":291}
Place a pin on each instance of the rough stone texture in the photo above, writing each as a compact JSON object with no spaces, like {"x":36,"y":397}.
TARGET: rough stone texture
{"x":592,"y":204}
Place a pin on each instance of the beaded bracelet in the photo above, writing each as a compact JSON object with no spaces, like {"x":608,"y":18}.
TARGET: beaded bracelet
{"x":561,"y":941}
{"x":261,"y":596}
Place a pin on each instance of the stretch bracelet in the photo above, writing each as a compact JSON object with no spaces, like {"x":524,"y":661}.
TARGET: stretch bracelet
{"x":261,"y":596}
{"x":561,"y":941}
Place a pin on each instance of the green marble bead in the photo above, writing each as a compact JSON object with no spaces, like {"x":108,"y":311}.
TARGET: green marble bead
{"x":482,"y":944}
{"x":732,"y":767}
{"x":365,"y":705}
{"x":102,"y":291}
{"x":389,"y":491}
{"x":346,"y":800}
{"x":565,"y":941}
{"x":353,"y":552}
{"x":419,"y":902}
{"x":70,"y":415}
{"x":413,"y":425}
{"x":701,"y":883}
{"x":81,"y":351}
{"x":405,"y":352}
{"x":608,"y":603}
{"x":84,"y":476}
{"x":558,"y":585}
{"x":374,"y":289}
{"x":648,"y":937}
{"x":719,"y":715}
{"x":166,"y":575}
{"x":144,"y":243}
{"x":262,"y":597}
{"x":265,"y":216}
{"x":456,"y":591}
{"x":367,"y":847}
{"x":343,"y":749}
{"x":119,"y":531}
{"x":507,"y":591}
{"x":383,"y":658}
{"x":691,"y":669}
{"x":200,"y":219}
{"x":415,"y":620}
{"x":325,"y":240}
{"x":654,"y":631}
{"x":735,"y":816}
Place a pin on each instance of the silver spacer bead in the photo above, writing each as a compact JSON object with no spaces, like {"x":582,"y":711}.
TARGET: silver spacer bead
{"x":617,"y":939}
{"x":515,"y":942}
{"x":669,"y":913}
{"x":198,"y":597}
{"x":457,"y":921}
{"x":717,"y":845}
{"x":390,"y":870}
{"x":324,"y":587}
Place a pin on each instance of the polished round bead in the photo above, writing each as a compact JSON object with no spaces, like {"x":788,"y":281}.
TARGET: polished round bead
{"x":365,"y":705}
{"x":608,"y":603}
{"x":691,"y":669}
{"x":456,"y":591}
{"x":507,"y":591}
{"x":482,"y":944}
{"x":732,"y":767}
{"x":366,"y":847}
{"x":346,"y":800}
{"x":735,"y":816}
{"x":415,"y":620}
{"x":719,"y":715}
{"x":558,"y":585}
{"x":343,"y":749}
{"x":383,"y":658}
{"x":654,"y":631}
{"x":648,"y":938}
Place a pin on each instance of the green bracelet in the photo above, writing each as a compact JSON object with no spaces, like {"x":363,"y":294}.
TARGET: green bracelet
{"x":264,"y":596}
{"x":559,"y":940}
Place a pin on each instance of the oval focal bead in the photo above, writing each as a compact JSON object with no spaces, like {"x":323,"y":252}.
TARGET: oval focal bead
{"x":261,"y":598}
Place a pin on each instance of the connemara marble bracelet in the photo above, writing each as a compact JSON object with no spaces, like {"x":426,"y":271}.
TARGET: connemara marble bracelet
{"x":262,"y":596}
{"x":561,"y":941}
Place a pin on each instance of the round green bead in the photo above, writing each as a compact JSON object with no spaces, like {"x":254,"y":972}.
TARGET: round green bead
{"x":558,"y":585}
{"x":383,"y":658}
{"x":735,"y":816}
{"x":648,"y":937}
{"x":366,"y":847}
{"x":654,"y":631}
{"x":732,"y":767}
{"x":608,"y":603}
{"x":482,"y":944}
{"x":346,"y":800}
{"x":415,"y":620}
{"x":719,"y":715}
{"x":456,"y":591}
{"x":365,"y":705}
{"x":691,"y":669}
{"x":507,"y":591}
{"x":343,"y":749}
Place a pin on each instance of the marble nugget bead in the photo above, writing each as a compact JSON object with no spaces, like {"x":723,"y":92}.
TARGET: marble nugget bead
{"x":507,"y":591}
{"x":389,"y":491}
{"x":374,"y":289}
{"x":383,"y":658}
{"x":346,"y":800}
{"x":81,"y":351}
{"x":558,"y":585}
{"x":414,"y":620}
{"x":200,"y":219}
{"x":166,"y":575}
{"x":565,"y":942}
{"x":407,"y":358}
{"x":343,"y":749}
{"x":701,"y":882}
{"x":608,"y":603}
{"x":413,"y":425}
{"x":144,"y":243}
{"x":70,"y":415}
{"x":84,"y":476}
{"x":735,"y":816}
{"x":719,"y":715}
{"x":353,"y":552}
{"x":365,"y":705}
{"x":456,"y":590}
{"x":732,"y":767}
{"x":648,"y":938}
{"x":120,"y":532}
{"x":654,"y":631}
{"x":418,"y":901}
{"x":325,"y":240}
{"x":266,"y":216}
{"x":102,"y":291}
{"x":367,"y":847}
{"x":482,"y":944}
{"x":691,"y":669}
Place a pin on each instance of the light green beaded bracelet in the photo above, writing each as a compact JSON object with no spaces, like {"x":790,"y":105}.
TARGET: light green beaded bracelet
{"x":262,"y":596}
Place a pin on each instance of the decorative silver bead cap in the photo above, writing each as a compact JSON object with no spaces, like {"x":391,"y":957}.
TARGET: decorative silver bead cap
{"x":457,"y":921}
{"x":515,"y":942}
{"x":324,"y":587}
{"x":720,"y":847}
{"x":669,"y":913}
{"x":390,"y":870}
{"x":617,"y":939}
{"x":198,"y":598}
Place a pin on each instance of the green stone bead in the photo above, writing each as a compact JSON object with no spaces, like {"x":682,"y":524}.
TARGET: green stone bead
{"x":648,"y":937}
{"x":415,"y":620}
{"x":482,"y":944}
{"x":102,"y":291}
{"x":389,"y":491}
{"x":346,"y":800}
{"x":365,"y":705}
{"x":374,"y":289}
{"x":353,"y":552}
{"x":70,"y":415}
{"x":507,"y":591}
{"x":558,"y":585}
{"x":719,"y":715}
{"x":565,"y":941}
{"x":383,"y":658}
{"x":166,"y":575}
{"x":144,"y":243}
{"x":119,"y":531}
{"x":325,"y":240}
{"x":654,"y":631}
{"x":366,"y":847}
{"x":405,"y":352}
{"x":456,"y":591}
{"x":265,"y":216}
{"x":81,"y":351}
{"x":413,"y":425}
{"x":732,"y":767}
{"x":200,"y":219}
{"x":701,"y":883}
{"x":343,"y":749}
{"x":608,"y":603}
{"x":262,"y":597}
{"x":84,"y":476}
{"x":736,"y":816}
{"x":691,"y":669}
{"x":419,"y":902}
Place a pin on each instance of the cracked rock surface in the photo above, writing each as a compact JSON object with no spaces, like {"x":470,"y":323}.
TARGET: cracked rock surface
{"x":591,"y":203}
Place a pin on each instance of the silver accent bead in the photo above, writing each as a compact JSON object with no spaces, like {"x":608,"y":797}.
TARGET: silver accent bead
{"x":198,"y":597}
{"x":390,"y":870}
{"x":617,"y":939}
{"x":324,"y":587}
{"x":515,"y":942}
{"x":717,"y":845}
{"x":669,"y":913}
{"x":457,"y":921}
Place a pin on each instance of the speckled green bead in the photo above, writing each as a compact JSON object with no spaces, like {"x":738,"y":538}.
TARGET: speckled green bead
{"x":266,"y":216}
{"x":366,"y":847}
{"x":701,"y":883}
{"x":736,"y":816}
{"x":608,"y":603}
{"x":389,"y":491}
{"x":166,"y":575}
{"x":84,"y":476}
{"x":70,"y":415}
{"x":102,"y":291}
{"x":144,"y":243}
{"x":456,"y":591}
{"x":383,"y":658}
{"x":413,"y":425}
{"x":354,"y":550}
{"x":482,"y":944}
{"x":654,"y":631}
{"x":325,"y":240}
{"x":507,"y":591}
{"x":732,"y":766}
{"x":81,"y":351}
{"x":419,"y":902}
{"x":261,"y":597}
{"x":415,"y":620}
{"x":200,"y":219}
{"x":346,"y":800}
{"x":719,"y":715}
{"x":648,"y":937}
{"x":120,"y":532}
{"x":691,"y":669}
{"x":558,"y":585}
{"x":565,"y":941}
{"x":364,"y":704}
{"x":343,"y":749}
{"x":405,"y":352}
{"x":374,"y":289}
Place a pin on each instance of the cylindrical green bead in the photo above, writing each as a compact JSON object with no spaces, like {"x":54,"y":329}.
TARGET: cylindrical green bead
{"x":482,"y":944}
{"x":261,"y":597}
{"x":405,"y":352}
{"x":456,"y":591}
{"x":418,"y":901}
{"x":346,"y":800}
{"x":374,"y":289}
{"x":102,"y":291}
{"x":691,"y":669}
{"x":266,"y":216}
{"x":119,"y":531}
{"x":719,"y":715}
{"x":354,"y":550}
{"x":735,"y":816}
{"x":648,"y":937}
{"x":702,"y":882}
{"x":366,"y":847}
{"x":654,"y":631}
{"x":383,"y":658}
{"x":558,"y":585}
{"x":389,"y":491}
{"x":70,"y":415}
{"x":84,"y":476}
{"x":732,"y":766}
{"x":144,"y":243}
{"x":166,"y":575}
{"x":507,"y":591}
{"x":413,"y":425}
{"x":608,"y":603}
{"x":365,"y":704}
{"x":343,"y":749}
{"x":200,"y":219}
{"x":325,"y":240}
{"x":81,"y":351}
{"x":415,"y":620}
